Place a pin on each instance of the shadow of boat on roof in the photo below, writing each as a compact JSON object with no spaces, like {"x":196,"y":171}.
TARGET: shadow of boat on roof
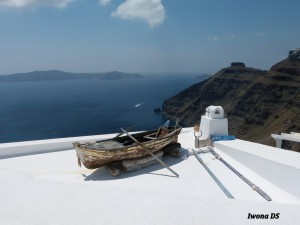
{"x":103,"y":174}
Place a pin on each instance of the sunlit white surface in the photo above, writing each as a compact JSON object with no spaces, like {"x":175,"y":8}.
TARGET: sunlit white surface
{"x":50,"y":188}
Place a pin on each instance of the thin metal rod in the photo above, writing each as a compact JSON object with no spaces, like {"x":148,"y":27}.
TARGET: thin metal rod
{"x":254,"y":187}
{"x":154,"y":156}
{"x":227,"y":193}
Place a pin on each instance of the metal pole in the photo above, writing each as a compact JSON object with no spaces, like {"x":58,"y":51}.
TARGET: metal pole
{"x":227,"y":193}
{"x":254,"y":187}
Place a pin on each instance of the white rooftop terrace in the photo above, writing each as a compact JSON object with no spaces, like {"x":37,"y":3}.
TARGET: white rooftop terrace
{"x":50,"y":188}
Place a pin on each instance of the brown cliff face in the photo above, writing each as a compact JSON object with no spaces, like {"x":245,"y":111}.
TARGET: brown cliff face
{"x":257,"y":103}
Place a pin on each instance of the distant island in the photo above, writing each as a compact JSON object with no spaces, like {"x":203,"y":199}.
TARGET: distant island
{"x":51,"y":75}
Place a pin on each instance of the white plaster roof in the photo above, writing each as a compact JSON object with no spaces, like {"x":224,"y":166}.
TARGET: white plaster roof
{"x":51,"y":189}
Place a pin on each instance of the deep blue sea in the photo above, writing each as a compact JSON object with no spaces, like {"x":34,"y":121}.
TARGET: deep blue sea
{"x":55,"y":109}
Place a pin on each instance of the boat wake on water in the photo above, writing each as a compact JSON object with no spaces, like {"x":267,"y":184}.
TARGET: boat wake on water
{"x":138,"y":105}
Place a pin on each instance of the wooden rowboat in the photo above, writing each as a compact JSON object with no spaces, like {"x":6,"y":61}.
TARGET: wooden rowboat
{"x":104,"y":152}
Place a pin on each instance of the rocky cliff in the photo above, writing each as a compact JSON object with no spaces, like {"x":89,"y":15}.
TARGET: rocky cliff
{"x":257,"y":103}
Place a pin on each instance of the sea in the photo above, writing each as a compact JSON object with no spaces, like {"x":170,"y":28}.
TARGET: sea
{"x":35,"y":110}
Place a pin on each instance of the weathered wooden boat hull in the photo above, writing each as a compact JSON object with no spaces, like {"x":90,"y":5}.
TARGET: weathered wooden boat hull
{"x":93,"y":157}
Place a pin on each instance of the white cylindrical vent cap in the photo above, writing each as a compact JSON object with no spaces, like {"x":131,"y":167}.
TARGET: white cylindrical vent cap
{"x":215,"y":112}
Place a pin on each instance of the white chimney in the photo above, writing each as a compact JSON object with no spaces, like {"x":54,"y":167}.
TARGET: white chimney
{"x":213,"y":123}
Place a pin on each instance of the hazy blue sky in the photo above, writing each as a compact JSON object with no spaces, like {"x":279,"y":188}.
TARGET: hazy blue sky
{"x":145,"y":36}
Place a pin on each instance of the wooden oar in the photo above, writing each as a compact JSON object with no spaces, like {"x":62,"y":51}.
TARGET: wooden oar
{"x":121,"y":133}
{"x":154,"y":156}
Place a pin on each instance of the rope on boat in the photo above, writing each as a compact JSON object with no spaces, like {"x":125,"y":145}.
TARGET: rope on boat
{"x":253,"y":186}
{"x":223,"y":188}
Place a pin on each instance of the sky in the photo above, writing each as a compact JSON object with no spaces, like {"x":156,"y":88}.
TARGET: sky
{"x":145,"y":36}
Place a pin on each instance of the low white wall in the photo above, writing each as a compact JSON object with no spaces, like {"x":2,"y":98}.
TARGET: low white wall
{"x":8,"y":150}
{"x":282,"y":168}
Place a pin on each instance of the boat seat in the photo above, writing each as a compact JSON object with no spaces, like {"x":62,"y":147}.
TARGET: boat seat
{"x":105,"y":145}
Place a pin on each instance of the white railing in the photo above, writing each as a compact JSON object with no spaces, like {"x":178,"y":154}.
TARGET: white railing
{"x":288,"y":137}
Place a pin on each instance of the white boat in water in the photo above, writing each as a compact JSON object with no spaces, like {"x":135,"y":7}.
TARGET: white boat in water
{"x":138,"y":105}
